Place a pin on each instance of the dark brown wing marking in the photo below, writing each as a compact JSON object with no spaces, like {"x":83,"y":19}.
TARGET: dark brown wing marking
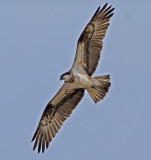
{"x":53,"y":117}
{"x":90,"y":41}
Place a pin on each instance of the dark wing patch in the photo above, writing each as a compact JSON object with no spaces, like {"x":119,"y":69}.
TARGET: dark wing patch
{"x":91,"y":38}
{"x":53,"y":118}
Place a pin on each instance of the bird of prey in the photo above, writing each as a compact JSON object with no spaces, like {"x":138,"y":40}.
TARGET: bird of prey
{"x":77,"y":79}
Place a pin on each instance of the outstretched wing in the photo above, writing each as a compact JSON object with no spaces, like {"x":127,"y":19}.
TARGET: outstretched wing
{"x":90,"y":42}
{"x":55,"y":113}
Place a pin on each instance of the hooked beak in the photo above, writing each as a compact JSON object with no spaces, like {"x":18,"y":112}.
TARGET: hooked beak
{"x":61,"y":78}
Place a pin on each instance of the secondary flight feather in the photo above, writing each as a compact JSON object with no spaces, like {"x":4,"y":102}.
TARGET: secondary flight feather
{"x":77,"y":79}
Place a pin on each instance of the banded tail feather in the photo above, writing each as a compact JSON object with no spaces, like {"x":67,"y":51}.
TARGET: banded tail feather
{"x":98,"y":93}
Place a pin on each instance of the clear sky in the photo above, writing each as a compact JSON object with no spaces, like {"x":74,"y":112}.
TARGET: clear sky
{"x":37,"y":44}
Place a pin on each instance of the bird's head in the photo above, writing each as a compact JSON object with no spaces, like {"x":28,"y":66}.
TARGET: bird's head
{"x":66,"y":76}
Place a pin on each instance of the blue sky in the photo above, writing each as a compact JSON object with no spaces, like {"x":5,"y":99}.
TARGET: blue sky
{"x":38,"y":43}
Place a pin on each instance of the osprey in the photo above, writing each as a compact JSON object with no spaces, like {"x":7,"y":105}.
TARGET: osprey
{"x":77,"y":79}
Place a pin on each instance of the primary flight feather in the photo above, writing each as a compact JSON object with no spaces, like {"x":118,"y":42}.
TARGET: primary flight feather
{"x":77,"y":79}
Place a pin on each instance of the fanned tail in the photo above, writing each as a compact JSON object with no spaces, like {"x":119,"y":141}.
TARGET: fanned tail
{"x":98,"y":93}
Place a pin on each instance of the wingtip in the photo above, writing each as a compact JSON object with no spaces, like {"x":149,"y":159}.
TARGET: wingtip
{"x":32,"y":139}
{"x":97,"y":10}
{"x":110,"y":15}
{"x":105,"y":5}
{"x":112,"y":9}
{"x":47,"y":144}
{"x":33,"y":148}
{"x":39,"y":150}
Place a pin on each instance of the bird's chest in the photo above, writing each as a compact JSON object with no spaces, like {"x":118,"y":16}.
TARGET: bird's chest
{"x":81,"y":80}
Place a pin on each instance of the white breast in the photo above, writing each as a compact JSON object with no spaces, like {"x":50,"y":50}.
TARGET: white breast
{"x":81,"y":81}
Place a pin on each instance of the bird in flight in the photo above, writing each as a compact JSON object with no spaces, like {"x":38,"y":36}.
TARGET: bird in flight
{"x":77,"y":79}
